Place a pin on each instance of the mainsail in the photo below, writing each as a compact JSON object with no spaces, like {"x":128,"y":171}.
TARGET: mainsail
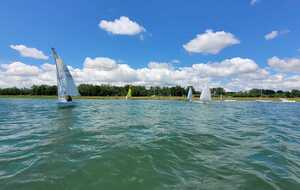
{"x":205,"y":94}
{"x":190,"y":94}
{"x":129,"y":94}
{"x":65,"y":82}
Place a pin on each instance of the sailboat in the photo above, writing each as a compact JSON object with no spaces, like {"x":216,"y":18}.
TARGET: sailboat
{"x":205,"y":94}
{"x":129,"y":94}
{"x":190,"y":94}
{"x":66,"y":87}
{"x":287,"y":100}
{"x":261,"y":96}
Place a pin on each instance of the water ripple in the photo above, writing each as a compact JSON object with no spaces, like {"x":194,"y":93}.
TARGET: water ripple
{"x":116,"y":144}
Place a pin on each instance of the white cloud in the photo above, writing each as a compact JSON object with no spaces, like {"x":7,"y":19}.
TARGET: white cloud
{"x":122,"y":26}
{"x":271,"y":35}
{"x":29,"y":52}
{"x":253,"y":2}
{"x":102,"y":70}
{"x":100,"y":63}
{"x":285,"y":65}
{"x":159,"y":65}
{"x":275,"y":82}
{"x":233,"y":74}
{"x":275,"y":33}
{"x":211,"y":42}
{"x":24,"y":75}
{"x":20,"y":69}
{"x":226,"y":68}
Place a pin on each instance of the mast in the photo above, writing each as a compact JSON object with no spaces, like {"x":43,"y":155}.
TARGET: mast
{"x":54,"y":53}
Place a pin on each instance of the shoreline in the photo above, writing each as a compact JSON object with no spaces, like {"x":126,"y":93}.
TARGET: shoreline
{"x":275,"y":99}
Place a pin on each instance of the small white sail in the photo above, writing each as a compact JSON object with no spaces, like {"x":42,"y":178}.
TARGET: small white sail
{"x":65,"y":82}
{"x":205,"y":94}
{"x":190,"y":94}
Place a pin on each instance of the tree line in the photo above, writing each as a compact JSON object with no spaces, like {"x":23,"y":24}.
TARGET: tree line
{"x":108,"y":90}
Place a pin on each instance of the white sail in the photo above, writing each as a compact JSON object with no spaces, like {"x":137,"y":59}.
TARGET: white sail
{"x":65,"y":82}
{"x":205,"y":94}
{"x":190,"y":94}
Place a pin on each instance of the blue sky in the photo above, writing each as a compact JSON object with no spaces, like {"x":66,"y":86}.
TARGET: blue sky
{"x":73,"y":29}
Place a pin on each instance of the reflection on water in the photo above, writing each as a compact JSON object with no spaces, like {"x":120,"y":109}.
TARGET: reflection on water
{"x":116,"y":144}
{"x":66,"y":116}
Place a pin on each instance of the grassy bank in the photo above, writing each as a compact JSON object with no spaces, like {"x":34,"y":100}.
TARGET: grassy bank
{"x":144,"y":98}
{"x":98,"y":97}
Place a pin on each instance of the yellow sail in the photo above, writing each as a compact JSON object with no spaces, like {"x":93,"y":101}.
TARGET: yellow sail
{"x":129,"y":94}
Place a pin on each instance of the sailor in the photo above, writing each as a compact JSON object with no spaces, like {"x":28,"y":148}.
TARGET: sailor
{"x":69,"y":98}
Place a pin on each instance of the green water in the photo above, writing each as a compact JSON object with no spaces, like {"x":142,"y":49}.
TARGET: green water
{"x":117,"y":144}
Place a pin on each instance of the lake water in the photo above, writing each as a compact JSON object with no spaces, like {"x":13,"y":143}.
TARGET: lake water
{"x":157,"y":145}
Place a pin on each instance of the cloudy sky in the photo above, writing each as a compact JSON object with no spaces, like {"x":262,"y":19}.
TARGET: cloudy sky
{"x":234,"y":44}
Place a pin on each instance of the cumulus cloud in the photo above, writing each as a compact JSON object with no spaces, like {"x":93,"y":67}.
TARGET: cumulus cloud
{"x":25,"y":75}
{"x":101,"y":70}
{"x":275,"y":82}
{"x":100,"y":63}
{"x":285,"y":65}
{"x":122,"y":26}
{"x":159,"y":65}
{"x":211,"y":42}
{"x":29,"y":52}
{"x":20,"y":69}
{"x":233,"y":74}
{"x":275,"y":33}
{"x":227,"y":67}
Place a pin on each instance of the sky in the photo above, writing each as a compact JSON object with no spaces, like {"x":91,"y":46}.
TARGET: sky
{"x":234,"y":44}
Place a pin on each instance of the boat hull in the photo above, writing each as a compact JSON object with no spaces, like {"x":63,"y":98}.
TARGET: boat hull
{"x":264,"y":101}
{"x":229,"y":100}
{"x":66,"y":104}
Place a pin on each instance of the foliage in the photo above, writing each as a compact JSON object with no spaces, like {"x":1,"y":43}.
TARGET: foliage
{"x":108,"y":90}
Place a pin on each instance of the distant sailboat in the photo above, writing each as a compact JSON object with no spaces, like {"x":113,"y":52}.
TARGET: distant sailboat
{"x":129,"y":94}
{"x":261,"y":97}
{"x":205,"y":94}
{"x":190,"y":94}
{"x":229,"y":100}
{"x":287,"y":100}
{"x":66,"y":87}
